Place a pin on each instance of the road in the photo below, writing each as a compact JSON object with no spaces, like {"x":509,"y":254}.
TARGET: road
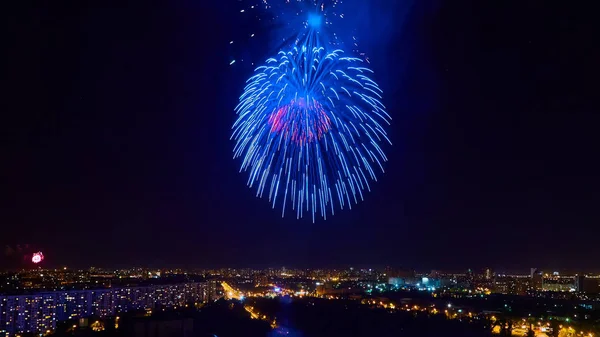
{"x":231,"y":292}
{"x":523,"y":332}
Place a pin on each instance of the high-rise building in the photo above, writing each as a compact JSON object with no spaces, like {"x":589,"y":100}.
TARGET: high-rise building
{"x":27,"y":313}
{"x":559,"y":283}
{"x":488,"y":274}
{"x":579,"y":283}
{"x":536,"y":279}
{"x":210,"y":291}
{"x":588,"y":285}
{"x":38,"y":313}
{"x":401,"y":276}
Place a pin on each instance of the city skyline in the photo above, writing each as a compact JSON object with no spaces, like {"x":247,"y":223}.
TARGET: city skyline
{"x":348,"y":268}
{"x":64,"y":301}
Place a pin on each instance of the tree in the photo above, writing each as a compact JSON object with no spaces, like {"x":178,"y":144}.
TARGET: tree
{"x":506,"y":328}
{"x":553,"y":329}
{"x":564,"y":332}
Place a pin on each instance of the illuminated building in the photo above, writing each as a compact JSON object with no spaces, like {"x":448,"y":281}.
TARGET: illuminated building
{"x":210,"y":291}
{"x":588,"y":284}
{"x":536,"y":279}
{"x":38,"y":313}
{"x":580,"y":283}
{"x":558,"y":283}
{"x":488,"y":274}
{"x":27,"y":314}
{"x":511,"y":285}
{"x":400,"y":277}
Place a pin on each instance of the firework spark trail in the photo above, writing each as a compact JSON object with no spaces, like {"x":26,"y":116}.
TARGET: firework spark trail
{"x":309,"y":128}
{"x":287,"y":22}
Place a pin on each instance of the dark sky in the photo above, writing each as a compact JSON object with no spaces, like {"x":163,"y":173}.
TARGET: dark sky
{"x":115,"y":150}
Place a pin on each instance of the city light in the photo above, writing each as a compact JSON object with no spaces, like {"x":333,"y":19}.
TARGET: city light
{"x":372,"y":288}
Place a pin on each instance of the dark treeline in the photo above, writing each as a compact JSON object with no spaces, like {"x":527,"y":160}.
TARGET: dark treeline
{"x":298,"y":318}
{"x":333,"y":318}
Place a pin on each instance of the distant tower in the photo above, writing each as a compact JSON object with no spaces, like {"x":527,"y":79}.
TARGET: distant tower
{"x":536,"y":279}
{"x":579,"y":283}
{"x":488,"y":274}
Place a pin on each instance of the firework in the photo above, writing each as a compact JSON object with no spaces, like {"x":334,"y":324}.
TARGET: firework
{"x":309,"y":128}
{"x":37,"y":257}
{"x":281,"y":24}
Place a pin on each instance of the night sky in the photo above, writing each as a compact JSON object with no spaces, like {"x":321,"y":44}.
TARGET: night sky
{"x":115,"y":150}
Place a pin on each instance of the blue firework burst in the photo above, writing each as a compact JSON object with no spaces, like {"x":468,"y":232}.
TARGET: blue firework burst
{"x":309,"y":129}
{"x":282,"y":24}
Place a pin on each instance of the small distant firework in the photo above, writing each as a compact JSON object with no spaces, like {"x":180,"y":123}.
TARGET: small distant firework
{"x":37,"y":257}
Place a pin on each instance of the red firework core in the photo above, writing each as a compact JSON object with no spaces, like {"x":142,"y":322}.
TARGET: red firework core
{"x":37,"y":257}
{"x":301,"y":121}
